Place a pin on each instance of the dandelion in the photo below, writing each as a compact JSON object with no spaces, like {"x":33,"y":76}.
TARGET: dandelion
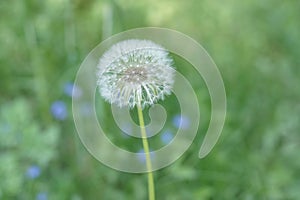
{"x":136,"y":73}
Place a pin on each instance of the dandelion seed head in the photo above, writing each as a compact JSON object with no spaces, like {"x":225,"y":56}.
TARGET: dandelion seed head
{"x":135,"y":71}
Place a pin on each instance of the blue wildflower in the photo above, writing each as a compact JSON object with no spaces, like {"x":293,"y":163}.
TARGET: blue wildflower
{"x":42,"y":196}
{"x":33,"y":172}
{"x":181,"y":121}
{"x":59,"y":110}
{"x":166,"y":137}
{"x":72,"y":90}
{"x":142,"y":156}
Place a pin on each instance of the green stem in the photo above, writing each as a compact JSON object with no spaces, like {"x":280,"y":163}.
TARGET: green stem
{"x":146,"y":149}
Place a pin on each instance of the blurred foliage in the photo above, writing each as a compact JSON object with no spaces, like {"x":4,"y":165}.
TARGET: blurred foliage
{"x":22,"y":145}
{"x":256,"y":47}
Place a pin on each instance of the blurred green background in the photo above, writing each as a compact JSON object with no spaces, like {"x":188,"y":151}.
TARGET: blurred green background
{"x":256,"y":46}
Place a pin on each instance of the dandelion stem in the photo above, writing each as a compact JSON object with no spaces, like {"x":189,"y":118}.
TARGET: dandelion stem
{"x":146,"y":149}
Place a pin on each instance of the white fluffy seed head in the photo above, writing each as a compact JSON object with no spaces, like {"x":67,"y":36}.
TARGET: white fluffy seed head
{"x":134,"y":71}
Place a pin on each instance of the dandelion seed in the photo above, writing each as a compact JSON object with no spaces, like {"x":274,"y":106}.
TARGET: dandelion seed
{"x":135,"y":71}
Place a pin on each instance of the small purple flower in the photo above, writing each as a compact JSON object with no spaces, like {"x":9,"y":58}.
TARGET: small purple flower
{"x":166,"y":137}
{"x":142,"y":156}
{"x":33,"y":172}
{"x":72,"y":90}
{"x":41,"y":196}
{"x":59,"y":110}
{"x":181,"y":121}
